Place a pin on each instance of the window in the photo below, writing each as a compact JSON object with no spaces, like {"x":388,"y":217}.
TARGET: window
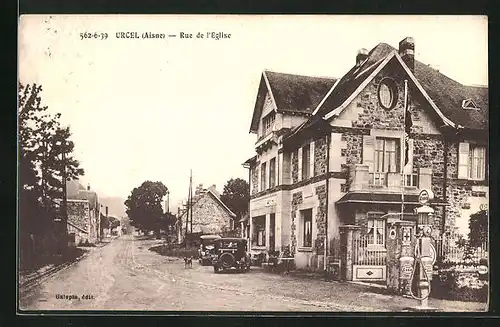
{"x":386,"y":155}
{"x":387,"y":93}
{"x":306,"y":153}
{"x":268,"y":122}
{"x":376,"y":232}
{"x":263,"y":176}
{"x":469,"y":104}
{"x":306,"y":227}
{"x":272,"y":172}
{"x":471,"y":161}
{"x":477,"y":165}
{"x":259,"y":231}
{"x":386,"y":159}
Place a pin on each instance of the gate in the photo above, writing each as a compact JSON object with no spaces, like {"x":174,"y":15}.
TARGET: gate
{"x":369,"y":261}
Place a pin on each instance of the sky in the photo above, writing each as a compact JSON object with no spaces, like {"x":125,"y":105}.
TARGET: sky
{"x":154,"y":109}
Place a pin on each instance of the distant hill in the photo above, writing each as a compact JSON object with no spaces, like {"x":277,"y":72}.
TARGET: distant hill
{"x":115,"y":206}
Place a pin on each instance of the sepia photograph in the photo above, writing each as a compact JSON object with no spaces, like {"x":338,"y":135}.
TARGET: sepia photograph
{"x":253,"y":163}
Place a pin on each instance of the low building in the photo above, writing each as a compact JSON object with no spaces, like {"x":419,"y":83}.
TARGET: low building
{"x":83,"y":213}
{"x":209,"y":214}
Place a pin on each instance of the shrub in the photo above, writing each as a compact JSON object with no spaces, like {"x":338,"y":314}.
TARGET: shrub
{"x":460,"y":282}
{"x":174,"y":250}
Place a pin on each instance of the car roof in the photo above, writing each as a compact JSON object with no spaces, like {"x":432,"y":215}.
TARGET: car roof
{"x":232,"y":239}
{"x":204,"y":237}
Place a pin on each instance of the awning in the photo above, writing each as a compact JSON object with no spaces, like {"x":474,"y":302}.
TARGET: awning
{"x":249,"y":161}
{"x":398,"y":216}
{"x":385,"y":198}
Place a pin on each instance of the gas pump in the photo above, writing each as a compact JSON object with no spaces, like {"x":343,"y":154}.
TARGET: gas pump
{"x":424,"y":253}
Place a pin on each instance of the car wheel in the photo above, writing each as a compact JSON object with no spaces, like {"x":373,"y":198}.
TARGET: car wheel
{"x":227,"y":260}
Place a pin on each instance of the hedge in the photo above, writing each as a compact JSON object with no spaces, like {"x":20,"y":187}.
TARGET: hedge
{"x":460,"y":282}
{"x":170,"y":250}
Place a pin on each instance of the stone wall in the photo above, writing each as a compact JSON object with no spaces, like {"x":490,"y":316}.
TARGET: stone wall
{"x":321,"y":218}
{"x":457,"y":197}
{"x":255,"y":178}
{"x":295,"y":166}
{"x":78,"y":214}
{"x":296,"y":200}
{"x":373,"y":114}
{"x":452,"y":160}
{"x":209,"y":216}
{"x":320,"y":154}
{"x":428,"y":152}
{"x":354,"y":148}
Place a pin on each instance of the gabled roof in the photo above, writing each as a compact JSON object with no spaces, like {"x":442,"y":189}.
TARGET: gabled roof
{"x":445,"y":94}
{"x":216,"y":197}
{"x":249,"y":162}
{"x":298,"y":93}
{"x":77,"y":191}
{"x":290,"y":93}
{"x":90,"y":196}
{"x":353,"y":78}
{"x":448,"y":95}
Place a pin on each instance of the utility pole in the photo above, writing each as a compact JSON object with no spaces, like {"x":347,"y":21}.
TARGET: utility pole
{"x":65,"y":202}
{"x":188,"y":208}
{"x":191,"y":201}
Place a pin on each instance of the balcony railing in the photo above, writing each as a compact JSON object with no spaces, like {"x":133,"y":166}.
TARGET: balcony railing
{"x":361,"y":179}
{"x":384,"y":179}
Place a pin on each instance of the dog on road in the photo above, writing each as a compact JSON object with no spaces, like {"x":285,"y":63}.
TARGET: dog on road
{"x":188,"y":262}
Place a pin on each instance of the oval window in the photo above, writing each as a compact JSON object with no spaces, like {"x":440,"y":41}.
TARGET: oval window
{"x":387,"y":93}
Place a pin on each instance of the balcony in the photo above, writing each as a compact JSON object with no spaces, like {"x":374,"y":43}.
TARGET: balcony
{"x":361,"y":179}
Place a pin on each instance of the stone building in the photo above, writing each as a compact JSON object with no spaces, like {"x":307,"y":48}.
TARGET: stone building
{"x":83,"y":213}
{"x":329,"y":153}
{"x":210,"y":214}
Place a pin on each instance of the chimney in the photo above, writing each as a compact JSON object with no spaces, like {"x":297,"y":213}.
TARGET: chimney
{"x":361,"y":56}
{"x":88,"y":187}
{"x":407,"y":52}
{"x":198,"y":190}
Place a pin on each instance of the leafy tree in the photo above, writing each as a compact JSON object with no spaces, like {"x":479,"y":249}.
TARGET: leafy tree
{"x":113,"y":222}
{"x":478,"y":228}
{"x":144,"y":206}
{"x":45,"y":150}
{"x":236,"y":196}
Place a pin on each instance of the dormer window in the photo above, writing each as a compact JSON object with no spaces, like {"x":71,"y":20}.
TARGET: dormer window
{"x":469,"y":104}
{"x":268,"y":122}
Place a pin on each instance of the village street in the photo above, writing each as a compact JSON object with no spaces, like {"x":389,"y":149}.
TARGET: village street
{"x":125,"y":275}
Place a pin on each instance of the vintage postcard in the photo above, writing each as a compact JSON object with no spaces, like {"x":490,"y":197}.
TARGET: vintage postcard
{"x":253,"y":163}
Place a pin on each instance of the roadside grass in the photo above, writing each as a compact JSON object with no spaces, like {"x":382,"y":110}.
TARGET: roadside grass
{"x":41,"y":261}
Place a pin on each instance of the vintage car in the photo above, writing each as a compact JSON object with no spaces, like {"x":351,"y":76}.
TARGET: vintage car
{"x":206,"y":252}
{"x":231,"y":253}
